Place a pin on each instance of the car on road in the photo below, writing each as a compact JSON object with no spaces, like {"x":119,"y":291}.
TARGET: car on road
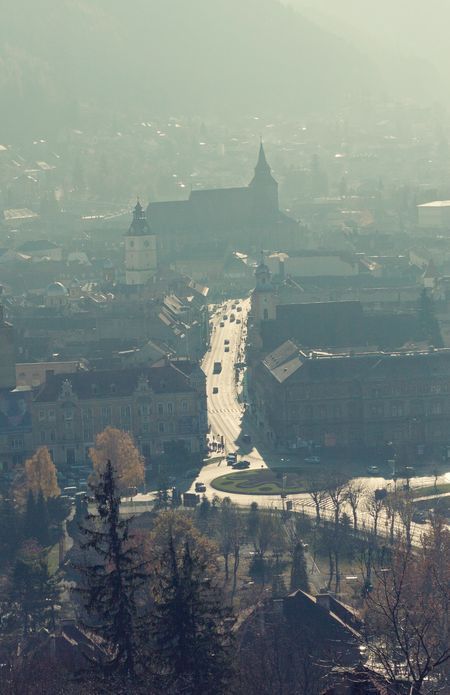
{"x":227,"y":348}
{"x":215,"y":389}
{"x":200,"y":487}
{"x":312,"y":459}
{"x":232,"y":317}
{"x":221,"y":324}
{"x":231,"y":458}
{"x":420,"y":517}
{"x":238,"y":308}
{"x":241,"y":465}
{"x":217,"y":367}
{"x":238,"y":320}
{"x":224,"y":317}
{"x":226,"y":341}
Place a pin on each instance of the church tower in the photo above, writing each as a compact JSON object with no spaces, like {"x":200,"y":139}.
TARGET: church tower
{"x":264,"y":188}
{"x":140,"y":250}
{"x":263,"y":296}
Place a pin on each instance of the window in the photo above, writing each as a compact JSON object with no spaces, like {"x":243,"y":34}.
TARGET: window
{"x":52,"y":436}
{"x":377,"y":409}
{"x":184,"y":406}
{"x":397,"y":410}
{"x":16,"y":443}
{"x":171,"y":428}
{"x":145,"y":427}
{"x":145,"y":410}
{"x":160,"y":409}
{"x":125,"y":412}
{"x":170,"y":408}
{"x":87,"y":413}
{"x":42,"y":436}
{"x":106,"y":414}
{"x":41,"y":414}
{"x":436,"y":408}
{"x":323,"y":410}
{"x":161,"y":427}
{"x":51,"y":415}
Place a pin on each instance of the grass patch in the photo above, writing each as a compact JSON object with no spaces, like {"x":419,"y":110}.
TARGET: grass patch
{"x":430,"y":490}
{"x":261,"y":482}
{"x":53,"y":559}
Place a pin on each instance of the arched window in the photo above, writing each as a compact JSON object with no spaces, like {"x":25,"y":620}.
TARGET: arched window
{"x":266,"y":314}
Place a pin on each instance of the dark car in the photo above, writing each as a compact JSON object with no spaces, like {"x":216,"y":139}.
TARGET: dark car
{"x":200,"y":487}
{"x":241,"y":465}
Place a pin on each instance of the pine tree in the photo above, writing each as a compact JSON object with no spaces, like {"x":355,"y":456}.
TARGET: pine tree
{"x":9,"y":531}
{"x":190,"y":626}
{"x":33,"y":591}
{"x":29,"y":522}
{"x":42,"y":532}
{"x":112,"y":578}
{"x":299,"y":573}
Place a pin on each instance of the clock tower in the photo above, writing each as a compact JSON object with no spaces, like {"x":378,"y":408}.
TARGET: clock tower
{"x":140,"y":250}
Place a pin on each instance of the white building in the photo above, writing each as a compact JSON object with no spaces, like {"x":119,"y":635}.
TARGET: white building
{"x":140,"y":250}
{"x":434,"y":215}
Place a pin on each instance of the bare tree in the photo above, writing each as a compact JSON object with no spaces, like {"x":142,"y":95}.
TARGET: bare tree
{"x":407,"y":614}
{"x":337,"y":492}
{"x":354,"y":494}
{"x":318,"y":495}
{"x":374,"y":506}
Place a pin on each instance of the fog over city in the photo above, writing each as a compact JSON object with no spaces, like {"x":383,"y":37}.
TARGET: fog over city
{"x":224,"y":347}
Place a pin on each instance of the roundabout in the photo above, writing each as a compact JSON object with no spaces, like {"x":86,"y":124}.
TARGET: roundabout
{"x":261,"y":482}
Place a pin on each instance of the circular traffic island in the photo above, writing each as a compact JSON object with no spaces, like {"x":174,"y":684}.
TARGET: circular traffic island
{"x":261,"y":482}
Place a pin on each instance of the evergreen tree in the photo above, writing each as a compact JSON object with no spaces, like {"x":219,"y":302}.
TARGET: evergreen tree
{"x":33,"y":591}
{"x":9,"y":531}
{"x":112,"y":578}
{"x":299,"y":572}
{"x":42,"y":532}
{"x":190,"y":627}
{"x":29,"y":522}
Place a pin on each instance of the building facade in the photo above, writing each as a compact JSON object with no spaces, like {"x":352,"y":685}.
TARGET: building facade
{"x":353,"y":400}
{"x":159,"y":405}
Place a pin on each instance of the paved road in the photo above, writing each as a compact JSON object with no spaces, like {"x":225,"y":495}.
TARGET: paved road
{"x":225,"y":413}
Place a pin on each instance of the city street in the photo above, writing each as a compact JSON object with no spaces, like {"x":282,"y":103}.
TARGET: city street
{"x":225,"y":413}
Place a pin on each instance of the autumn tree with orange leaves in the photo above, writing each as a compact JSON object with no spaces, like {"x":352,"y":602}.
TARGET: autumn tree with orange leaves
{"x":118,"y":447}
{"x":38,"y":475}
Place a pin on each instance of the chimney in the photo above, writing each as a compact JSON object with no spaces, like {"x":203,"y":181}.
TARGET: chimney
{"x":323,"y":600}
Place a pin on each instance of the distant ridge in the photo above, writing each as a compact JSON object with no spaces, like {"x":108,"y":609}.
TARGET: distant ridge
{"x":169,"y":56}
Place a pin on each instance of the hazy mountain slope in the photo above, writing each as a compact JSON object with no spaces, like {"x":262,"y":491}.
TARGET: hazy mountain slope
{"x":169,"y":55}
{"x":406,"y":39}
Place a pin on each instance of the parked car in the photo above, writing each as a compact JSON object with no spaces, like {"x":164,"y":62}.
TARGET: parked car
{"x":226,"y":341}
{"x":231,"y":458}
{"x":200,"y":487}
{"x":238,"y":320}
{"x":312,"y":459}
{"x":227,"y":348}
{"x":373,"y":470}
{"x":221,"y":324}
{"x":215,"y":389}
{"x":241,"y":465}
{"x":238,"y":308}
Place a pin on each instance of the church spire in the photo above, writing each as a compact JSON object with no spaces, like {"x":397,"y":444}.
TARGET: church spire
{"x":261,"y":165}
